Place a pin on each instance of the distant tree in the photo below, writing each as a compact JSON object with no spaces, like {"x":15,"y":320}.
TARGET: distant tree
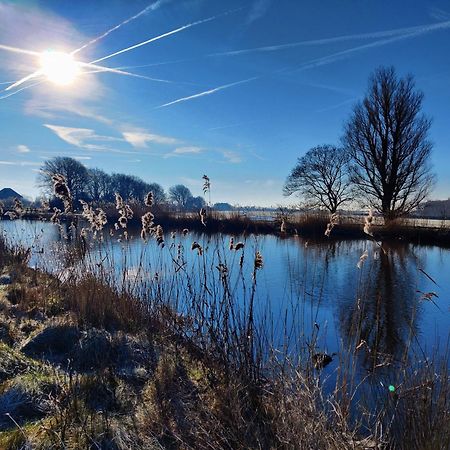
{"x":98,"y":187}
{"x":223,"y":207}
{"x":159,"y":196}
{"x":75,"y":173}
{"x":387,"y":138}
{"x":128,"y":186}
{"x":196,"y":203}
{"x":180,"y":195}
{"x":321,"y":178}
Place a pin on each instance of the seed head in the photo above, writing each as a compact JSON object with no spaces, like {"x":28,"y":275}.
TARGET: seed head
{"x":148,"y":200}
{"x":198,"y":247}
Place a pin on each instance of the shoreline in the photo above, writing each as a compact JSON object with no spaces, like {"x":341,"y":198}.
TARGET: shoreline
{"x":311,"y":227}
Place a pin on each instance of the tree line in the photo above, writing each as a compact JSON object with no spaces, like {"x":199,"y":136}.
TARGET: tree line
{"x":383,"y":161}
{"x":98,"y":187}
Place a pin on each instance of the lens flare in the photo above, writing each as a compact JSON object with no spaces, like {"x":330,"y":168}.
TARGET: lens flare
{"x":59,"y":68}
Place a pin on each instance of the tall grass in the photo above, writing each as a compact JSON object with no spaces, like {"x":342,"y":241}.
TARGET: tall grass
{"x":259,"y":379}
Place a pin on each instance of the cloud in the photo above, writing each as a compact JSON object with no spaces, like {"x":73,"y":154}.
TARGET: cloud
{"x":20,"y":163}
{"x":140,"y":139}
{"x":257,"y":10}
{"x":23,"y":149}
{"x":55,"y":111}
{"x":191,"y":149}
{"x":79,"y":137}
{"x":268,"y":182}
{"x":187,"y":150}
{"x":231,"y":156}
{"x":439,"y":14}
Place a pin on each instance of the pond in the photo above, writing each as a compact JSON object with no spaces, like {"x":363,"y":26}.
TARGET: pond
{"x":390,"y":299}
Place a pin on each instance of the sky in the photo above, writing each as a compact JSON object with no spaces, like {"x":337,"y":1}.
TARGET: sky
{"x":235,"y":89}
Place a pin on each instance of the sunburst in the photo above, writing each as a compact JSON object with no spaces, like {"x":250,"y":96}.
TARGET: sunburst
{"x":59,"y":68}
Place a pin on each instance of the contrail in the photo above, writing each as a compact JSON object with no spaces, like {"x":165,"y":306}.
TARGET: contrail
{"x":97,"y":69}
{"x":18,"y":50}
{"x":19,"y":90}
{"x":421,"y":29}
{"x":209,"y":92}
{"x":154,"y":6}
{"x":162,"y":63}
{"x":161,"y":36}
{"x":346,"y":53}
{"x":122,"y":72}
{"x":24,"y":80}
{"x":6,"y":82}
{"x":119,"y":70}
{"x":407,"y":31}
{"x":326,"y":59}
{"x":337,"y":105}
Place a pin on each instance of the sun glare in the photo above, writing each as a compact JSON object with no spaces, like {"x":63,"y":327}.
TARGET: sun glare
{"x":59,"y":68}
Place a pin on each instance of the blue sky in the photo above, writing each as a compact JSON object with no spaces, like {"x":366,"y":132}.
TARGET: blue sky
{"x":239,"y":96}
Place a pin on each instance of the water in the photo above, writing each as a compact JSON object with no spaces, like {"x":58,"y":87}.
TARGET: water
{"x":309,"y":293}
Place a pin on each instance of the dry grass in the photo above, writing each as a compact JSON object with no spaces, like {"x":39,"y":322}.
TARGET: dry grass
{"x":199,"y":380}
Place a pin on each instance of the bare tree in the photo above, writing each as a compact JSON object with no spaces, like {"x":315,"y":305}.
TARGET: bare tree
{"x":74,"y":172}
{"x":99,"y":186}
{"x":196,"y":203}
{"x":180,"y":195}
{"x":320,"y":177}
{"x":159,"y":196}
{"x":387,"y":138}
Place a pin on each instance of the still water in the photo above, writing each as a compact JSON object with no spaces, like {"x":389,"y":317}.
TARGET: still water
{"x":306,"y":292}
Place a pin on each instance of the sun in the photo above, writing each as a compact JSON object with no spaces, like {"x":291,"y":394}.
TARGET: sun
{"x":59,"y":68}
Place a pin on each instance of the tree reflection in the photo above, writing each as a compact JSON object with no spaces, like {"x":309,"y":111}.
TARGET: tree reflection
{"x":382,"y":321}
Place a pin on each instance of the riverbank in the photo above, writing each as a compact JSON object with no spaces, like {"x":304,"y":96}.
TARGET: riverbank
{"x":307,"y":225}
{"x":85,"y":365}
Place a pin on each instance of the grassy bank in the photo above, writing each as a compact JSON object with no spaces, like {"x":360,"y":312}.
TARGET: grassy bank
{"x":85,"y":363}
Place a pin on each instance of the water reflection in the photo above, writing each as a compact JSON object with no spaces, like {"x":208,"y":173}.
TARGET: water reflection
{"x":382,"y":322}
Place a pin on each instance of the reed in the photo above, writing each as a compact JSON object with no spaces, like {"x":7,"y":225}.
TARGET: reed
{"x":176,"y":352}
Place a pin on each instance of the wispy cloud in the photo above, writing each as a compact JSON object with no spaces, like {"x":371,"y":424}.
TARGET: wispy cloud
{"x":191,"y":150}
{"x":80,"y":137}
{"x":208,"y":92}
{"x":258,"y":9}
{"x":232,"y":156}
{"x":23,"y":149}
{"x":184,"y":151}
{"x":141,"y":139}
{"x":415,"y":31}
{"x":439,"y":14}
{"x":20,"y":163}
